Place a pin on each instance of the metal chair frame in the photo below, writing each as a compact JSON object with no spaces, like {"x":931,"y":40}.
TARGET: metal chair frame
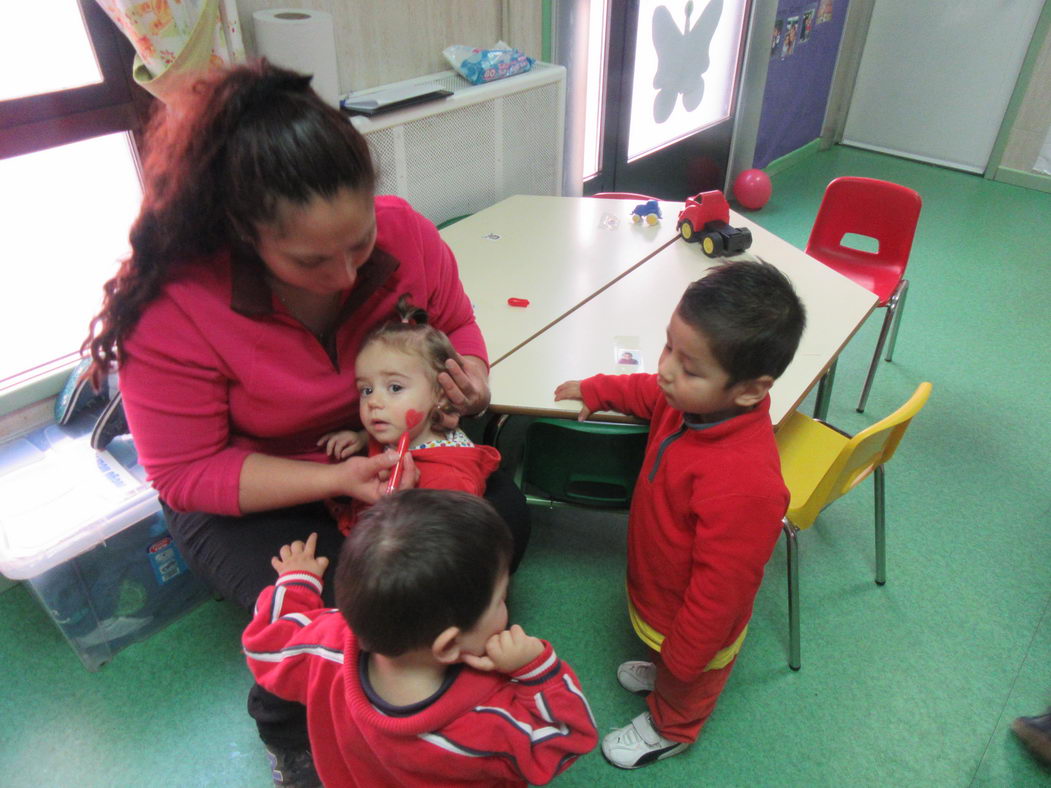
{"x":801,"y":442}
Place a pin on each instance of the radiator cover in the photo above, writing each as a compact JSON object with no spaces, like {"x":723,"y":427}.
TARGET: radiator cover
{"x":463,"y":153}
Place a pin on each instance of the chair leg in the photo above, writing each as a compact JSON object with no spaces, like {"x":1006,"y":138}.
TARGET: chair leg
{"x":898,"y":306}
{"x":494,"y":427}
{"x":824,"y":392}
{"x":881,"y":526}
{"x":793,"y":593}
{"x":875,"y":358}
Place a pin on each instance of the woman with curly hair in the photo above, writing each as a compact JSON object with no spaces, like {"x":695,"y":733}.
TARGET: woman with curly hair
{"x":260,"y":259}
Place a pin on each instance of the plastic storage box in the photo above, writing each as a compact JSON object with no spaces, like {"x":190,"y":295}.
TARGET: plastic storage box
{"x":85,"y":532}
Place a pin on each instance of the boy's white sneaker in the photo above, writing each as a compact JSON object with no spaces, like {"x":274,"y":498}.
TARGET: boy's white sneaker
{"x":638,"y":744}
{"x":637,"y":676}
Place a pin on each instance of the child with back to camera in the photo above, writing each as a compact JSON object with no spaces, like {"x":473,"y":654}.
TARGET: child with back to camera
{"x":416,"y":679}
{"x":397,"y":372}
{"x":707,"y":507}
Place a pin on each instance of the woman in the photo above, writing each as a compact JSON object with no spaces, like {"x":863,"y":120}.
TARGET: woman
{"x":259,"y":260}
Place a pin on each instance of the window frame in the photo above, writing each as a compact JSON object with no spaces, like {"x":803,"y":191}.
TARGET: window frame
{"x":33,"y":123}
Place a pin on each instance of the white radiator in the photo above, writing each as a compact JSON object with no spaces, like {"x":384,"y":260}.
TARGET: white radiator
{"x":457,"y":155}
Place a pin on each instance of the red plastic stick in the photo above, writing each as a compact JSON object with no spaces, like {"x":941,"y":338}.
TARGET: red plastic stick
{"x":412,"y":418}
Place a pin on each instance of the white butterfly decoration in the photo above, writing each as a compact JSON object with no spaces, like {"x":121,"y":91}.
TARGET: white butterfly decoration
{"x":682,"y":57}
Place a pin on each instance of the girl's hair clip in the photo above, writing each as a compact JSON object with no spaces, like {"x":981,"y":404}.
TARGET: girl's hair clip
{"x":417,"y":317}
{"x":409,"y":313}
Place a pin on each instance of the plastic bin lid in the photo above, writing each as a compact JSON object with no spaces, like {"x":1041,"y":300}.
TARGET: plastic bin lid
{"x":59,"y":498}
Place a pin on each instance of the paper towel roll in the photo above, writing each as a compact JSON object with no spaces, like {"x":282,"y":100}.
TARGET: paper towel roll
{"x":302,"y":40}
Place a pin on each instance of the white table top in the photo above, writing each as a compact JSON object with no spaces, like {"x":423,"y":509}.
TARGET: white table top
{"x":556,"y":252}
{"x":634,"y":312}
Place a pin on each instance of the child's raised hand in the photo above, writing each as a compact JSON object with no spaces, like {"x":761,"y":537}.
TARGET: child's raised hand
{"x":506,"y":651}
{"x":299,"y":557}
{"x":343,"y":443}
{"x":571,"y":390}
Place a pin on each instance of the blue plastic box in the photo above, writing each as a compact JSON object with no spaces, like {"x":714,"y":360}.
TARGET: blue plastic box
{"x":85,"y":532}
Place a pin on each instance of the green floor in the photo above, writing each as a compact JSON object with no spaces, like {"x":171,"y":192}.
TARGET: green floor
{"x":912,"y":684}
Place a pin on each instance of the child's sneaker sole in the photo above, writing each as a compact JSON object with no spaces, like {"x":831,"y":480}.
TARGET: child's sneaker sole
{"x":639,"y":744}
{"x":637,"y":676}
{"x":1035,"y":733}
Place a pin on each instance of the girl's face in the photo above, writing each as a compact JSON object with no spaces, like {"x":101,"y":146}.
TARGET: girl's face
{"x":318,"y":247}
{"x":390,"y":383}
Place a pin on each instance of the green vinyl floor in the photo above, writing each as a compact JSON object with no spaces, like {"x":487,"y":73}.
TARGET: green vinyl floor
{"x":911,"y":684}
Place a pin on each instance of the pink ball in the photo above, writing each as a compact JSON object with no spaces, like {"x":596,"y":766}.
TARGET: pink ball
{"x":752,"y":189}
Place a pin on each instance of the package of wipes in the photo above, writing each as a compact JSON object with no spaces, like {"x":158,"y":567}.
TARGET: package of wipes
{"x":486,"y":65}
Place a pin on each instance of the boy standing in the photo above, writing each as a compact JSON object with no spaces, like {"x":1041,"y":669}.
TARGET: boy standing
{"x":427,"y":686}
{"x":707,"y":507}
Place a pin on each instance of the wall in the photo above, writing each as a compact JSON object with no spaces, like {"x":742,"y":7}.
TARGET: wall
{"x":391,"y":40}
{"x":798,"y":78}
{"x":1033,"y":121}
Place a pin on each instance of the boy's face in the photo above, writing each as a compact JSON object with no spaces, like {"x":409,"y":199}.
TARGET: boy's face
{"x":691,"y":378}
{"x":390,"y":383}
{"x":492,"y":621}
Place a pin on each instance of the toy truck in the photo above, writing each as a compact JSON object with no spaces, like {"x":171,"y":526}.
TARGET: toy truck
{"x":705,"y":220}
{"x":649,"y":210}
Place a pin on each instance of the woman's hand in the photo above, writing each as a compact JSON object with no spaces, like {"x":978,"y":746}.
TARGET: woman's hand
{"x":571,"y":390}
{"x":365,"y":478}
{"x":466,"y":384}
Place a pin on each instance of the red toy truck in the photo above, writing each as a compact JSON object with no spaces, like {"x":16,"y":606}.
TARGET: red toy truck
{"x":705,"y":220}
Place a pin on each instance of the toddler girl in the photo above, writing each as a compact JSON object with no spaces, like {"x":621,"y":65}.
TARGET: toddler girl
{"x":397,"y":372}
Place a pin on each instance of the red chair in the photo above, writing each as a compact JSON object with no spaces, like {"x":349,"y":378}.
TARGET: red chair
{"x":878,"y":210}
{"x":623,"y":196}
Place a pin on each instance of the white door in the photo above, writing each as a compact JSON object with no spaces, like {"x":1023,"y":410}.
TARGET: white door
{"x":936,"y":77}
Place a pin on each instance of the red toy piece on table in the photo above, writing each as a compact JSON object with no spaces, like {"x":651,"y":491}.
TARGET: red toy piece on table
{"x":706,"y":219}
{"x":518,"y":302}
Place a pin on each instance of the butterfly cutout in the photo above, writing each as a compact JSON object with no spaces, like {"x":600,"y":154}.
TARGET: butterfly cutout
{"x":682,"y":58}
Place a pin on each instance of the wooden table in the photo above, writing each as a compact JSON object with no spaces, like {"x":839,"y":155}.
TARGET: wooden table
{"x":555,"y":252}
{"x":635,"y":310}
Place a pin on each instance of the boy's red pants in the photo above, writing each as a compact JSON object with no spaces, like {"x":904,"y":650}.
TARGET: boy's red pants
{"x":680,"y":709}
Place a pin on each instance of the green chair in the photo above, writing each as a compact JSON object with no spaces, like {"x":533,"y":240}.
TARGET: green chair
{"x":572,"y":463}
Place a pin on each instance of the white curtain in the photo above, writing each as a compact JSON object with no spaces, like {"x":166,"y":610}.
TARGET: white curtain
{"x":176,"y":38}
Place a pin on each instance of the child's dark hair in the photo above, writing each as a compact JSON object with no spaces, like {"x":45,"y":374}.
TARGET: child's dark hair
{"x":751,"y":316}
{"x":412,"y":334}
{"x":418,"y":562}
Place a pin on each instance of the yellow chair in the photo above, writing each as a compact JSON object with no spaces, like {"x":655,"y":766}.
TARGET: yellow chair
{"x":820,"y":464}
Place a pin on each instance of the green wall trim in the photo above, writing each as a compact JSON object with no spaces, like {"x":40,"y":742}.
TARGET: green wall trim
{"x":1028,"y":180}
{"x":33,"y":391}
{"x":793,"y":158}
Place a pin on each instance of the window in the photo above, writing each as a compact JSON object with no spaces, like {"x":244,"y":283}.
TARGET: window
{"x":686,"y":64}
{"x":69,"y":183}
{"x":598,"y":26}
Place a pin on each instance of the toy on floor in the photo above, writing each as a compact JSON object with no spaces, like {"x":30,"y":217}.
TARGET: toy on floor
{"x":706,"y":220}
{"x":649,"y":210}
{"x":752,"y":188}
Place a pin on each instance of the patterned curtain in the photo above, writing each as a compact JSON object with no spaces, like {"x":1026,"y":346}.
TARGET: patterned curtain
{"x":175,"y":38}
